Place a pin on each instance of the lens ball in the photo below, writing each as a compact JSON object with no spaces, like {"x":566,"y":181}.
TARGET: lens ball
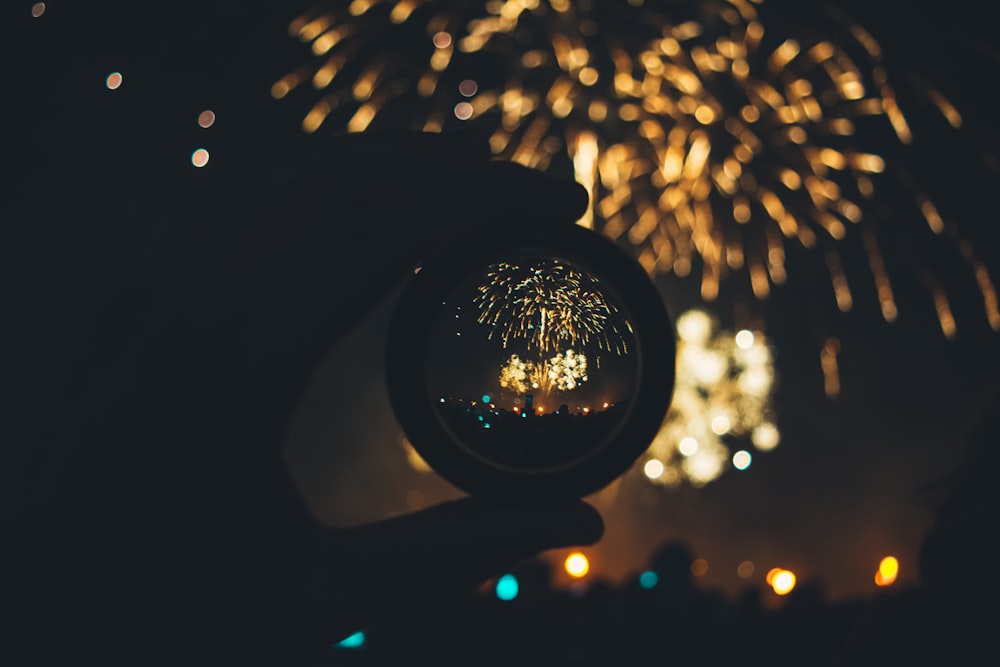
{"x":535,"y":368}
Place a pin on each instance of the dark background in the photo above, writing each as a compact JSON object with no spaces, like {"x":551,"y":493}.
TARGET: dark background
{"x":97,"y":179}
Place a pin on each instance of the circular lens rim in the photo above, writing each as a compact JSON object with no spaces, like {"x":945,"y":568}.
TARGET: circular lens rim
{"x":406,"y":368}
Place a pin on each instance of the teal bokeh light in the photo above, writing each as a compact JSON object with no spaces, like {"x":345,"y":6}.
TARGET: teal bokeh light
{"x":355,"y":641}
{"x":507,"y":587}
{"x":649,"y":579}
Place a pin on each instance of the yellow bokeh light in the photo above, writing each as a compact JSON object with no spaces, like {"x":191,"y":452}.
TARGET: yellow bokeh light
{"x":744,"y":339}
{"x":577,"y":565}
{"x":888,"y":570}
{"x":699,"y":567}
{"x":653,"y":469}
{"x":745,"y":569}
{"x":782,"y":581}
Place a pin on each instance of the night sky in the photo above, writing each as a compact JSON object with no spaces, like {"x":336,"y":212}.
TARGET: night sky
{"x":98,"y":179}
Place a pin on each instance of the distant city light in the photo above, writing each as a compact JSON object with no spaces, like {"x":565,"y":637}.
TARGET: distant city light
{"x":200,"y":157}
{"x":507,"y":587}
{"x":577,"y":565}
{"x":355,"y":641}
{"x":114,"y":81}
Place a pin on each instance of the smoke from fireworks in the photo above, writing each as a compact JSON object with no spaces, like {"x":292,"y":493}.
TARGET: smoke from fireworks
{"x":562,"y":372}
{"x":708,"y":143}
{"x":549,"y":306}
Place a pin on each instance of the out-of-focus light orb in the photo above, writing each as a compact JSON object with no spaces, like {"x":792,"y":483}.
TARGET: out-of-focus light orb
{"x":694,"y":326}
{"x":723,"y":397}
{"x":720,"y":425}
{"x":206,"y":118}
{"x":765,"y":437}
{"x":37,"y":9}
{"x":442,"y":40}
{"x":742,"y":459}
{"x":468,"y":88}
{"x":688,"y":446}
{"x":200,"y":157}
{"x":507,"y":587}
{"x":114,"y":81}
{"x":649,"y":579}
{"x":355,"y":641}
{"x":463,"y":111}
{"x":783,"y":582}
{"x":699,"y":567}
{"x":653,"y":469}
{"x":888,"y":570}
{"x":577,"y":565}
{"x":745,"y":569}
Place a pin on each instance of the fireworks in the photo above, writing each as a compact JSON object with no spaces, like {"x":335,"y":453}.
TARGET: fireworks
{"x":709,"y":143}
{"x":722,"y":398}
{"x":562,"y":372}
{"x":549,"y":306}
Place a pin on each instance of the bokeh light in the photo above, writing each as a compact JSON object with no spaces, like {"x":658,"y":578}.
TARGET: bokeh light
{"x":206,"y":118}
{"x":37,"y":9}
{"x":699,"y":567}
{"x":507,"y":587}
{"x":577,"y":565}
{"x":722,"y":397}
{"x":649,"y":579}
{"x":781,"y":581}
{"x":355,"y":641}
{"x":888,"y":570}
{"x":199,"y":157}
{"x":745,"y":569}
{"x":114,"y":81}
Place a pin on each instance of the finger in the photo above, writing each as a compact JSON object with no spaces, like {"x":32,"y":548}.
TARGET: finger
{"x":456,"y":546}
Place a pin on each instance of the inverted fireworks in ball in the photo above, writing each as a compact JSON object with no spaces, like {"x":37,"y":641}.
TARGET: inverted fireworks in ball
{"x":563,"y":372}
{"x":549,"y":306}
{"x":721,"y":407}
{"x":713,"y":145}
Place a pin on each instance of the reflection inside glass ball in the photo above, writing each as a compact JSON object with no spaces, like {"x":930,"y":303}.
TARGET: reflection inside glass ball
{"x":531,"y":363}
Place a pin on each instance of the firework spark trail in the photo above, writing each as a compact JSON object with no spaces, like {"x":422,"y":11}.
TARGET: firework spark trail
{"x":703,"y":139}
{"x":549,"y":306}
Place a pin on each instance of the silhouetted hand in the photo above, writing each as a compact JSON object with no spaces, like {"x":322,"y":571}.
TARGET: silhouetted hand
{"x":169,"y":518}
